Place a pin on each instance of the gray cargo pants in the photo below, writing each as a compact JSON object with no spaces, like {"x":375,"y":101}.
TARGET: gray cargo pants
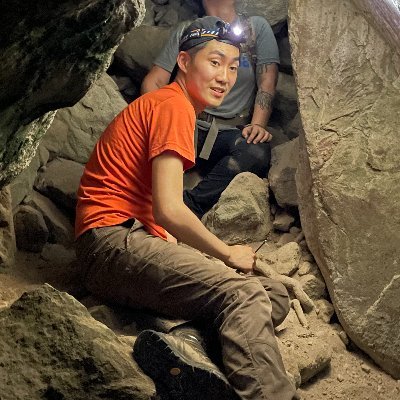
{"x":130,"y":267}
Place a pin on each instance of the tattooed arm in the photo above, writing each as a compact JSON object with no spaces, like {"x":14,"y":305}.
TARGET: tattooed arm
{"x":267,"y":78}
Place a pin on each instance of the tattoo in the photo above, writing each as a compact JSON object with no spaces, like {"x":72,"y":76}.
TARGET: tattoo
{"x":262,"y":68}
{"x":264,"y":99}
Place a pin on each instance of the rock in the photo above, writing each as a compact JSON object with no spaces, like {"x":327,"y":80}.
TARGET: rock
{"x":149,"y":15}
{"x":286,"y":238}
{"x":295,"y":229}
{"x":285,"y":260}
{"x":52,"y":54}
{"x":22,"y":147}
{"x":294,"y":128}
{"x":128,"y":89}
{"x":7,"y":232}
{"x":274,"y":11}
{"x":283,"y":221}
{"x":325,"y":310}
{"x":314,"y":286}
{"x":59,"y":255}
{"x":306,"y":268}
{"x":349,"y":167}
{"x":169,"y":17}
{"x":30,"y":229}
{"x":60,"y":228}
{"x":282,"y":173}
{"x":242,"y":213}
{"x":278,"y":137}
{"x":305,"y":352}
{"x":315,"y":359}
{"x":22,"y":185}
{"x":75,"y":130}
{"x":51,"y":347}
{"x":106,"y":316}
{"x":285,"y":101}
{"x":60,"y":181}
{"x":135,"y":56}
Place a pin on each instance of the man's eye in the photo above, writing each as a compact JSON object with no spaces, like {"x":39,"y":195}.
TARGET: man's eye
{"x":234,"y":68}
{"x":214,"y":62}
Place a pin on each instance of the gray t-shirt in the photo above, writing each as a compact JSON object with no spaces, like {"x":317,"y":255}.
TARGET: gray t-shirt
{"x":242,"y":95}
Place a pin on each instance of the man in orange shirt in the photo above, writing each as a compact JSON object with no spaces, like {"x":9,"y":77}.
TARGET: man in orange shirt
{"x":129,"y":206}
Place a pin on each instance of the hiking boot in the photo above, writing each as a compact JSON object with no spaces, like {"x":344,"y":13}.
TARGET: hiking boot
{"x":180,"y":368}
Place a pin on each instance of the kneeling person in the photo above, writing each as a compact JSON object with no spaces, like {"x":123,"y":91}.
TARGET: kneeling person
{"x":130,"y":197}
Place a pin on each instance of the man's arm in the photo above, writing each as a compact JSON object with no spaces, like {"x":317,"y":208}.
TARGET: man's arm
{"x":155,"y":79}
{"x":172,"y":214}
{"x":267,"y":79}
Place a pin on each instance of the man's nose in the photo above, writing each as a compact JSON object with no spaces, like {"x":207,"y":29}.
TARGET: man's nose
{"x":223,"y":75}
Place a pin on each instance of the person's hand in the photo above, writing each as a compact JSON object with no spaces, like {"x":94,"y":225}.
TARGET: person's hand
{"x":242,"y":258}
{"x":254,"y":133}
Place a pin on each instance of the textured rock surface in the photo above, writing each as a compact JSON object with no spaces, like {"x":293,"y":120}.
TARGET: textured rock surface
{"x":60,"y":181}
{"x":348,"y":178}
{"x":282,"y":173}
{"x":242,"y":214}
{"x":22,"y":185}
{"x":135,"y":55}
{"x":51,"y":53}
{"x":274,"y":11}
{"x":31,"y":232}
{"x":51,"y":348}
{"x":60,"y":228}
{"x":75,"y":130}
{"x":284,"y":260}
{"x":7,"y":235}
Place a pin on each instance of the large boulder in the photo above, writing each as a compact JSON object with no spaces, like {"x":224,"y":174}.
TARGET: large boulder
{"x":7,"y":235}
{"x":135,"y":56}
{"x":274,"y":11}
{"x":242,"y":213}
{"x":348,"y":178}
{"x":59,"y":181}
{"x":281,"y":176}
{"x":75,"y":130}
{"x":51,"y":53}
{"x":52,"y":348}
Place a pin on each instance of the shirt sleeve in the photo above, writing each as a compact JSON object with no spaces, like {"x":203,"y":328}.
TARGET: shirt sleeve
{"x":167,"y":57}
{"x":170,"y":130}
{"x":266,"y":47}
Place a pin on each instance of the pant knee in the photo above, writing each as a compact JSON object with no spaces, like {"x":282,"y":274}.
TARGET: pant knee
{"x":280,"y":303}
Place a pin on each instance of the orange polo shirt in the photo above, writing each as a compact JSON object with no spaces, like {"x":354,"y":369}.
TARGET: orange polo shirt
{"x":117,"y":181}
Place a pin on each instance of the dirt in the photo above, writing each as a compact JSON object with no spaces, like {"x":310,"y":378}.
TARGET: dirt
{"x":351,"y":375}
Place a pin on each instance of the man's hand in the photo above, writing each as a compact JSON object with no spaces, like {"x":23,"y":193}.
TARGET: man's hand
{"x":256,"y":134}
{"x":242,"y":258}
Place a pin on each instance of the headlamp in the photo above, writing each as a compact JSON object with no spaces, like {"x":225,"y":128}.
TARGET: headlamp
{"x":220,"y":30}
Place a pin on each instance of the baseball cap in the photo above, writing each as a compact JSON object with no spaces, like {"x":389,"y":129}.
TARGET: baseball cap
{"x":209,"y":28}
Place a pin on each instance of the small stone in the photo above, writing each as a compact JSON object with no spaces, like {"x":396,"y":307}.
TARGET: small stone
{"x":175,"y":371}
{"x":283,"y":221}
{"x":365,"y":368}
{"x":295,"y":230}
{"x":340,"y":378}
{"x":343,"y":337}
{"x":325,"y":310}
{"x":305,"y":268}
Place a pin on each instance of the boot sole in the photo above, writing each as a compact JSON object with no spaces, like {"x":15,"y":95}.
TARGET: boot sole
{"x":177,"y":375}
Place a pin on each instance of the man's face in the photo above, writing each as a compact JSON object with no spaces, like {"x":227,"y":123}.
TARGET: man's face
{"x":211,"y":73}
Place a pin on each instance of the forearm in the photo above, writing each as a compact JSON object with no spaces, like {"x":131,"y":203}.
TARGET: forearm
{"x":187,"y":228}
{"x":262,"y":107}
{"x":267,"y":77}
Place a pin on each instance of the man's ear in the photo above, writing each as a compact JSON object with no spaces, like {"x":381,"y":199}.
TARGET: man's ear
{"x":183,"y":60}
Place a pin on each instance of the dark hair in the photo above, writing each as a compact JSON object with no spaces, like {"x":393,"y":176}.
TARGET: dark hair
{"x":192,"y":52}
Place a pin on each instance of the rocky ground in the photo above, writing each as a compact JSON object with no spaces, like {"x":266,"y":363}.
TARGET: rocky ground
{"x":351,"y":374}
